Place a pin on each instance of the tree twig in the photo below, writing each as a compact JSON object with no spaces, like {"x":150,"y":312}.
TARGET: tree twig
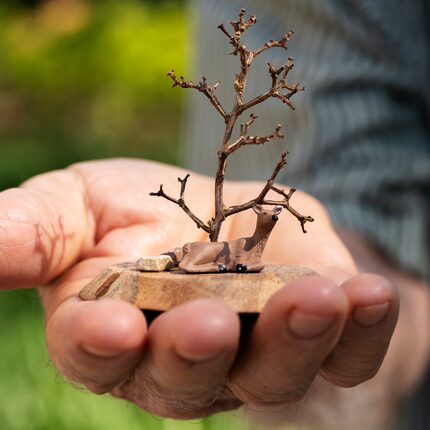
{"x":281,"y":43}
{"x":279,"y":83}
{"x":260,"y":198}
{"x":285,"y":203}
{"x":181,"y":202}
{"x":203,"y":87}
{"x":254,"y":140}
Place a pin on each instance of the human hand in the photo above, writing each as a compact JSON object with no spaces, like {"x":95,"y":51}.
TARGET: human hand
{"x":62,"y":228}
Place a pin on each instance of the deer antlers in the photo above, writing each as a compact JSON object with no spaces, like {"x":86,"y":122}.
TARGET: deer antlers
{"x":279,"y":89}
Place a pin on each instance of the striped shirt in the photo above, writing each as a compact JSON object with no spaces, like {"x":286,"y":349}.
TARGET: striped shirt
{"x":359,"y":139}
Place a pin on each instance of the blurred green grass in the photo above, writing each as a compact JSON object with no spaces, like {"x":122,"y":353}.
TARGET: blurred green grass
{"x":81,"y":80}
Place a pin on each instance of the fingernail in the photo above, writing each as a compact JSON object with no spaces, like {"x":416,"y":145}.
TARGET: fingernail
{"x":93,"y":350}
{"x":367,"y":316}
{"x":306,"y":325}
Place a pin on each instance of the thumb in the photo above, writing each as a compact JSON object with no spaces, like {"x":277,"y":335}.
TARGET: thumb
{"x":44,"y":228}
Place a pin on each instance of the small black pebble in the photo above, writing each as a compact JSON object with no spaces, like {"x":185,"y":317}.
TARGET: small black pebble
{"x":241,"y":267}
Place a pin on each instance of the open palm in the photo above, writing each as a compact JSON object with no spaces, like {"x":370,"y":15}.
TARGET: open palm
{"x":61,"y":229}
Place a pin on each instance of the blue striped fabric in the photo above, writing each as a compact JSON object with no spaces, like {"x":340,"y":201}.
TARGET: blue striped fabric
{"x":359,"y":139}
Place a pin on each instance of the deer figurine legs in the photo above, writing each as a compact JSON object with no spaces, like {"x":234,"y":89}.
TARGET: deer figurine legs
{"x":204,"y":268}
{"x":220,"y":267}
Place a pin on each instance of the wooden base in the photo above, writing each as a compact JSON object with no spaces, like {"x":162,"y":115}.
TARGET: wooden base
{"x":160,"y":291}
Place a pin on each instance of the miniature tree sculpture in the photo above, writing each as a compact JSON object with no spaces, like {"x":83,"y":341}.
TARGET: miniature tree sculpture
{"x":279,"y":89}
{"x":153,"y":282}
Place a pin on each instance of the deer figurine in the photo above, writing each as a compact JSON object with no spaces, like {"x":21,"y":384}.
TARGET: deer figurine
{"x":240,"y":255}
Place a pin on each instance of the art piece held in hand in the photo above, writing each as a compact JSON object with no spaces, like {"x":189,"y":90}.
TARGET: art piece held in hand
{"x":163,"y":281}
{"x":217,"y":258}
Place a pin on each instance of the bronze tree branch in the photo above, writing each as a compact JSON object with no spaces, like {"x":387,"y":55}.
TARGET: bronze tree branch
{"x":279,"y":89}
{"x":181,"y":203}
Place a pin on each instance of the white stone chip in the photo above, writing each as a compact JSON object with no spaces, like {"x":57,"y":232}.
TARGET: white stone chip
{"x":157,"y":263}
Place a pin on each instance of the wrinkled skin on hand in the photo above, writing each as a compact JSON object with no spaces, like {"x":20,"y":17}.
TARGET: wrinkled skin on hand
{"x":62,"y":228}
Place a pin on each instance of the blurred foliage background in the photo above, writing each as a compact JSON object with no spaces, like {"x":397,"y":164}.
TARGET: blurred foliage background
{"x":86,"y":79}
{"x":79,"y":80}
